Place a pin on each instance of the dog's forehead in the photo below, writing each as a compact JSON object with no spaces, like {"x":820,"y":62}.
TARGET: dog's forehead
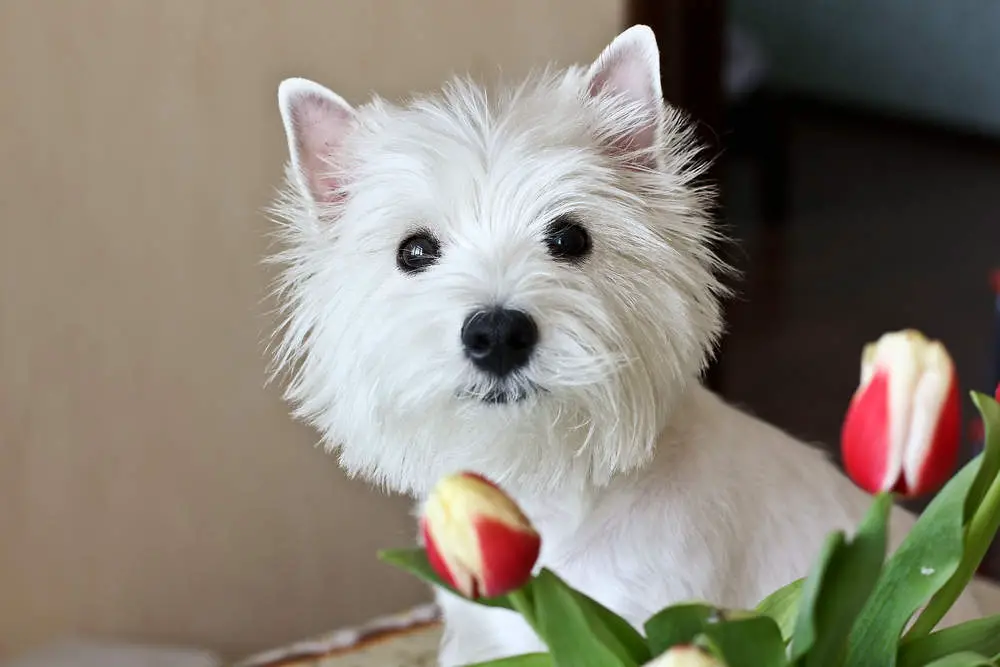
{"x":465,"y":149}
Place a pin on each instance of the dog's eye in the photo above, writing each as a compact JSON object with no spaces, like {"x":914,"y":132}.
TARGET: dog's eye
{"x":567,"y":239}
{"x":417,"y":252}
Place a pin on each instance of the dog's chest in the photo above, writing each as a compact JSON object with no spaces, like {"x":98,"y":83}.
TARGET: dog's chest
{"x":633,"y":564}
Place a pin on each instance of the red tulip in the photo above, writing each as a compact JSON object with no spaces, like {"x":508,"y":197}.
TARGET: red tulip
{"x":902,"y":428}
{"x":476,"y":537}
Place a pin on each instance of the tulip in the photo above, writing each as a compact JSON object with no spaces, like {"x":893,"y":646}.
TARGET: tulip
{"x":902,"y":429}
{"x":477,"y":539}
{"x":685,"y":656}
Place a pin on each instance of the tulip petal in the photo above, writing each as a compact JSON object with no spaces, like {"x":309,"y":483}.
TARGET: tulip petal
{"x":685,"y":655}
{"x":868,"y":457}
{"x":451,"y":544}
{"x":434,"y":557}
{"x":931,"y":450}
{"x":509,"y":555}
{"x":901,"y":358}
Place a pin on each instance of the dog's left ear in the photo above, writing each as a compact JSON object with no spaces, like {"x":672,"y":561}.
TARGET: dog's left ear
{"x":629,"y":68}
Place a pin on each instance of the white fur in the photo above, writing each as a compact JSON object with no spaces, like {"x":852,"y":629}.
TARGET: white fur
{"x":647,"y":488}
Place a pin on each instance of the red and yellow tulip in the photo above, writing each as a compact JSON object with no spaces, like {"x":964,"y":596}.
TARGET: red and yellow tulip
{"x":903,"y":425}
{"x":477,"y":538}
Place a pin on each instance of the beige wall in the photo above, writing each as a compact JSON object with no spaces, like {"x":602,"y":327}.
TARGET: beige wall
{"x":150,"y":487}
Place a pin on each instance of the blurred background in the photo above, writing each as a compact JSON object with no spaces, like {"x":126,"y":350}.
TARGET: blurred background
{"x":153,"y":489}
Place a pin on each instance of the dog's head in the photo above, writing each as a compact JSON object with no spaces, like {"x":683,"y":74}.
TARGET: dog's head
{"x":518,"y":283}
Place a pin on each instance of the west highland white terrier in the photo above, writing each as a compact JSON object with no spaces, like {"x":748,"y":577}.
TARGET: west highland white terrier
{"x":522,"y":283}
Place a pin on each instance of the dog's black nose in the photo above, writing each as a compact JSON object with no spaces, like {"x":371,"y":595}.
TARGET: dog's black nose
{"x":499,"y":341}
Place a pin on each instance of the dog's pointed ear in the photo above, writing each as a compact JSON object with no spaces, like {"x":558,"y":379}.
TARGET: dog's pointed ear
{"x":316,"y":121}
{"x":629,"y":68}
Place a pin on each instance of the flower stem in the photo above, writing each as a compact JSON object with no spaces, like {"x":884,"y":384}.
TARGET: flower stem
{"x":978,"y":537}
{"x":521,"y":601}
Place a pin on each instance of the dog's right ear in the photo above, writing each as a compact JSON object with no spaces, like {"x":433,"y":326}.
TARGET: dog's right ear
{"x":316,"y":121}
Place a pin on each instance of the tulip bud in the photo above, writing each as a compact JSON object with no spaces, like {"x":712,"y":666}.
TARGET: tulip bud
{"x":902,"y":428}
{"x":685,"y":656}
{"x":476,"y":537}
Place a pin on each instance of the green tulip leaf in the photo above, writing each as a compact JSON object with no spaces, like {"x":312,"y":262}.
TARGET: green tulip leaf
{"x":804,"y":632}
{"x":604,"y":623}
{"x":753,"y":641}
{"x":927,"y":557}
{"x":838,"y":587}
{"x":965,"y":659}
{"x":578,"y":631}
{"x":415,"y":562}
{"x":630,"y":638}
{"x":979,"y":636}
{"x":678,"y":624}
{"x":783,"y":606}
{"x":989,"y":410}
{"x":526,"y":660}
{"x":739,"y":639}
{"x":704,"y":643}
{"x":982,"y":519}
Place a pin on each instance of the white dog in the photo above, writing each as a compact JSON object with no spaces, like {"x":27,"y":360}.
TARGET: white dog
{"x":521,"y":284}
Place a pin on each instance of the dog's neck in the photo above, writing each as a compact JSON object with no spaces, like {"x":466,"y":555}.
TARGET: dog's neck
{"x":565,"y":508}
